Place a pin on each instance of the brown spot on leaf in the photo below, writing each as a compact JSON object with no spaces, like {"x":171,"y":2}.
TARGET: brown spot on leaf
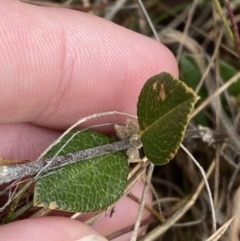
{"x":52,"y":205}
{"x":155,"y":86}
{"x":189,"y":90}
{"x":162,"y":93}
{"x":172,"y":155}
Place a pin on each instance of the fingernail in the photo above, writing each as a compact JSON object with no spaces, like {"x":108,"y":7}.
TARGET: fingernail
{"x":92,"y":237}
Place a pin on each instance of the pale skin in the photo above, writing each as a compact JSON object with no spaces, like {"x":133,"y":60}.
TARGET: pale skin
{"x":57,"y":66}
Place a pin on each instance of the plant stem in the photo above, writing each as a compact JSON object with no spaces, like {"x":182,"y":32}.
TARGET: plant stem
{"x":13,"y":172}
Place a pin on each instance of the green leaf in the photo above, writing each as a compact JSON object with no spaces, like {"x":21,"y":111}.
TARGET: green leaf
{"x":85,"y":186}
{"x":163,"y":109}
{"x":227,"y":72}
{"x":191,"y":74}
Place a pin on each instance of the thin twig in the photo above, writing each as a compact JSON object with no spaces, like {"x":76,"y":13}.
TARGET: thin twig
{"x":154,"y":213}
{"x":149,"y":20}
{"x":214,"y":223}
{"x":141,"y":207}
{"x":13,"y":172}
{"x":234,"y":25}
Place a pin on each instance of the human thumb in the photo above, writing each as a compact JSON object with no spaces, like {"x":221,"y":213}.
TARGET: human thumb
{"x":49,"y":228}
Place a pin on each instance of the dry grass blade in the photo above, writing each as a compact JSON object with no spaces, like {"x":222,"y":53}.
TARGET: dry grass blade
{"x":210,"y":64}
{"x":154,"y":213}
{"x":219,"y":233}
{"x":141,"y":207}
{"x":115,"y":8}
{"x":214,"y":95}
{"x":214,"y":222}
{"x":223,"y":18}
{"x":41,"y":213}
{"x":189,"y":20}
{"x":235,"y":227}
{"x":155,"y":233}
{"x":149,"y":20}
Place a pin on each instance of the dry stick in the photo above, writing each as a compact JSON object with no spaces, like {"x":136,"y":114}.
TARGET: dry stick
{"x":141,"y":207}
{"x":80,"y":121}
{"x":57,"y":153}
{"x":155,"y":233}
{"x":12,"y":172}
{"x":18,"y":181}
{"x":234,"y":26}
{"x":214,"y":223}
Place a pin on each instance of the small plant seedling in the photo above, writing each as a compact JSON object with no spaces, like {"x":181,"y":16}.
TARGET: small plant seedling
{"x":93,"y":183}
